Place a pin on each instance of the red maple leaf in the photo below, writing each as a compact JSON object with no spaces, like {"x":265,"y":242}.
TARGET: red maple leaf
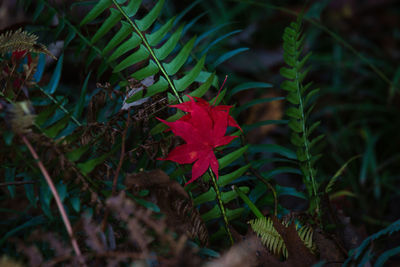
{"x":212,"y":110}
{"x":203,"y":129}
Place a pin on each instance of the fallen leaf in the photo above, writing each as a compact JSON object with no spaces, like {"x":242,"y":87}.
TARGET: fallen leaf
{"x":203,"y":129}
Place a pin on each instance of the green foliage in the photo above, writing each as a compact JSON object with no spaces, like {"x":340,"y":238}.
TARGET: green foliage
{"x":119,"y":52}
{"x":300,"y":96}
{"x":131,"y":46}
{"x":81,"y":128}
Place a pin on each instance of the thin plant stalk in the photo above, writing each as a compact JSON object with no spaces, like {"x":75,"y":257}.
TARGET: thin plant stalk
{"x":150,"y":49}
{"x":57,"y":198}
{"x":221,"y":205}
{"x":270,"y":187}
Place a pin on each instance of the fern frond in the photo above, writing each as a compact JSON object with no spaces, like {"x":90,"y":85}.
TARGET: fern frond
{"x":301,"y":99}
{"x":140,"y":49}
{"x":155,"y":53}
{"x":144,"y":43}
{"x":264,"y":228}
{"x":21,"y":40}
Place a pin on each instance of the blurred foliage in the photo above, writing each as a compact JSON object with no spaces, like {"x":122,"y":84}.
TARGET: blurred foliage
{"x":120,"y":63}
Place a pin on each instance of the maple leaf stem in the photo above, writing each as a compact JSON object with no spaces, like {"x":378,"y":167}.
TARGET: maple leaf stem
{"x":219,"y":91}
{"x":221,"y":205}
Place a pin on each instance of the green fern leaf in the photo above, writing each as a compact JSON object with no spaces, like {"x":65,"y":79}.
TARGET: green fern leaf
{"x":230,"y":177}
{"x":293,"y":98}
{"x":189,"y":78}
{"x":123,"y":32}
{"x":200,"y":91}
{"x":296,"y":140}
{"x":140,"y":54}
{"x":296,"y":125}
{"x":294,"y":113}
{"x":225,"y":196}
{"x":110,"y":22}
{"x":149,"y":70}
{"x":156,"y":37}
{"x":149,"y":19}
{"x":215,"y":213}
{"x":334,"y":178}
{"x":310,"y":95}
{"x":290,"y":86}
{"x":288,"y":73}
{"x":173,"y":66}
{"x":160,"y":86}
{"x":96,"y":11}
{"x":313,"y":127}
{"x":300,"y":64}
{"x":301,"y":155}
{"x":128,"y":45}
{"x":132,"y":7}
{"x":315,"y":140}
{"x":162,"y":52}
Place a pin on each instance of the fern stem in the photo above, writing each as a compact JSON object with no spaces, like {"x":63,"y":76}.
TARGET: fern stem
{"x":310,"y":176}
{"x":221,"y":205}
{"x":63,"y":109}
{"x":308,"y":155}
{"x":150,"y":50}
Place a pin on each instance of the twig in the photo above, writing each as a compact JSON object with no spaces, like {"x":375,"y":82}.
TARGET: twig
{"x":115,"y":180}
{"x":269,"y":185}
{"x":57,"y":198}
{"x":17,"y":183}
